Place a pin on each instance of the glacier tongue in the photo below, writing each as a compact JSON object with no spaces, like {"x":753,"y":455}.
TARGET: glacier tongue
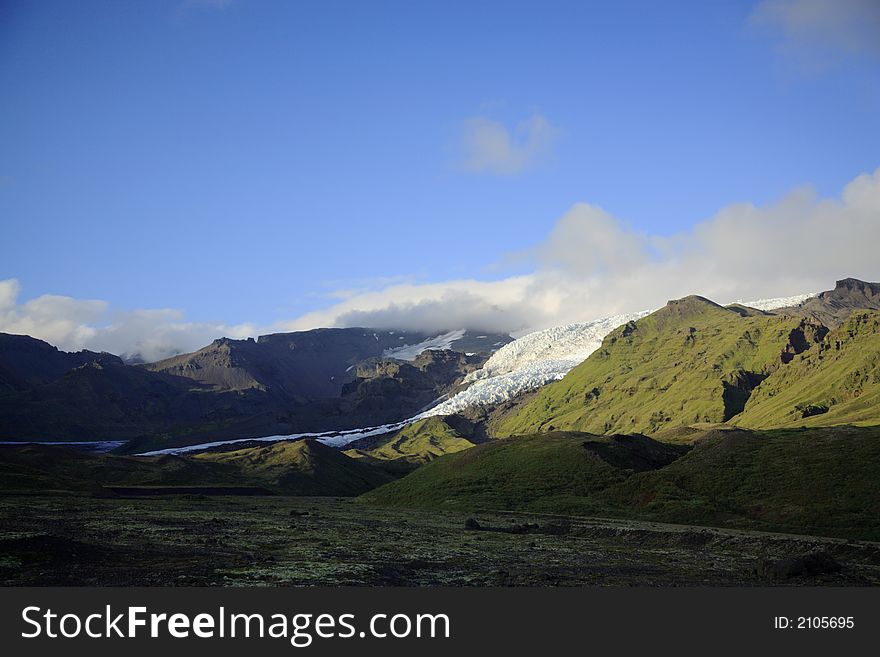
{"x":531,"y":361}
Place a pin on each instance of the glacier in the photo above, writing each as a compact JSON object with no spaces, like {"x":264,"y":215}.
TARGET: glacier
{"x":531,"y":361}
{"x":548,"y":355}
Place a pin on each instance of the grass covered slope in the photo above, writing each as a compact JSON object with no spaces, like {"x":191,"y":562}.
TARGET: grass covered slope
{"x":692,"y":361}
{"x":417,"y":443}
{"x":303,"y":467}
{"x":555,"y":472}
{"x":299,"y":468}
{"x":43,"y":468}
{"x":819,"y":481}
{"x":835,"y":382}
{"x":816,"y":481}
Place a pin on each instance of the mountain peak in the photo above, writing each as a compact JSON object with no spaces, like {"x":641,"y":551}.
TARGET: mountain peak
{"x":832,"y":307}
{"x":848,"y":285}
{"x":689,"y":305}
{"x":692,"y":301}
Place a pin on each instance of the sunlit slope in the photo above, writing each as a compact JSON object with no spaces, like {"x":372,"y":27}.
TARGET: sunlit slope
{"x":419,"y":442}
{"x":304,"y":467}
{"x":692,"y":361}
{"x":836,"y":381}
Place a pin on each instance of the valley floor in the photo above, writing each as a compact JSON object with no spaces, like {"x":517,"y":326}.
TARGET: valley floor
{"x":194,"y":540}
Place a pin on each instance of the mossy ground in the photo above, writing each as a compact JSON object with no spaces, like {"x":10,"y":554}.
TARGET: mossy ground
{"x":232,"y":541}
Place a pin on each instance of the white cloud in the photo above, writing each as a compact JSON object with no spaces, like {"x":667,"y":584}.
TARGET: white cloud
{"x":74,"y":324}
{"x":488,"y":146}
{"x":819,"y":31}
{"x":591,"y":265}
{"x":482,"y":305}
{"x":57,"y":319}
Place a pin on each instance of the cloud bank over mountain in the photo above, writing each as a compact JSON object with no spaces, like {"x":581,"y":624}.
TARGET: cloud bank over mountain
{"x":592,"y":264}
{"x":73,"y":324}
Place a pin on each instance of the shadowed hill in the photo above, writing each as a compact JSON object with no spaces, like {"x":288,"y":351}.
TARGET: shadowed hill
{"x":304,"y":364}
{"x":46,"y":468}
{"x":290,"y":468}
{"x":815,"y":481}
{"x":27,"y":362}
{"x":279,"y":384}
{"x":554,"y":471}
{"x":819,"y":481}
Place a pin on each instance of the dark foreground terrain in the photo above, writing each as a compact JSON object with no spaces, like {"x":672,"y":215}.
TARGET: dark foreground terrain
{"x":236,"y":540}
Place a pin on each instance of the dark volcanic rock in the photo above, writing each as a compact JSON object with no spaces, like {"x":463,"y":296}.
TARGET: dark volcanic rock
{"x":815,"y":563}
{"x":26,"y":362}
{"x":832,"y":307}
{"x":309,"y":381}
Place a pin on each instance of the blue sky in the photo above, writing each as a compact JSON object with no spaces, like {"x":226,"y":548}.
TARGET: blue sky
{"x":241,"y":161}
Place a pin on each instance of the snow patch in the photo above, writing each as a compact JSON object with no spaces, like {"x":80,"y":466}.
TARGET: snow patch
{"x":780,"y":302}
{"x":331,"y":438}
{"x":411,"y":351}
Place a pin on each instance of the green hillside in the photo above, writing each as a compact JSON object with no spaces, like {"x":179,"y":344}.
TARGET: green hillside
{"x":416,"y":443}
{"x":692,"y":361}
{"x":555,"y":472}
{"x":837,"y":381}
{"x":819,"y":481}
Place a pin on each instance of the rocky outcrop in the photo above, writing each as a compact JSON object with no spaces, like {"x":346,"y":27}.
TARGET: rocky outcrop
{"x":831,"y":308}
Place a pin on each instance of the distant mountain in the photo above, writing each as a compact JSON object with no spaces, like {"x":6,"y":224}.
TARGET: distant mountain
{"x":26,"y":362}
{"x":322,"y":380}
{"x":307,"y":364}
